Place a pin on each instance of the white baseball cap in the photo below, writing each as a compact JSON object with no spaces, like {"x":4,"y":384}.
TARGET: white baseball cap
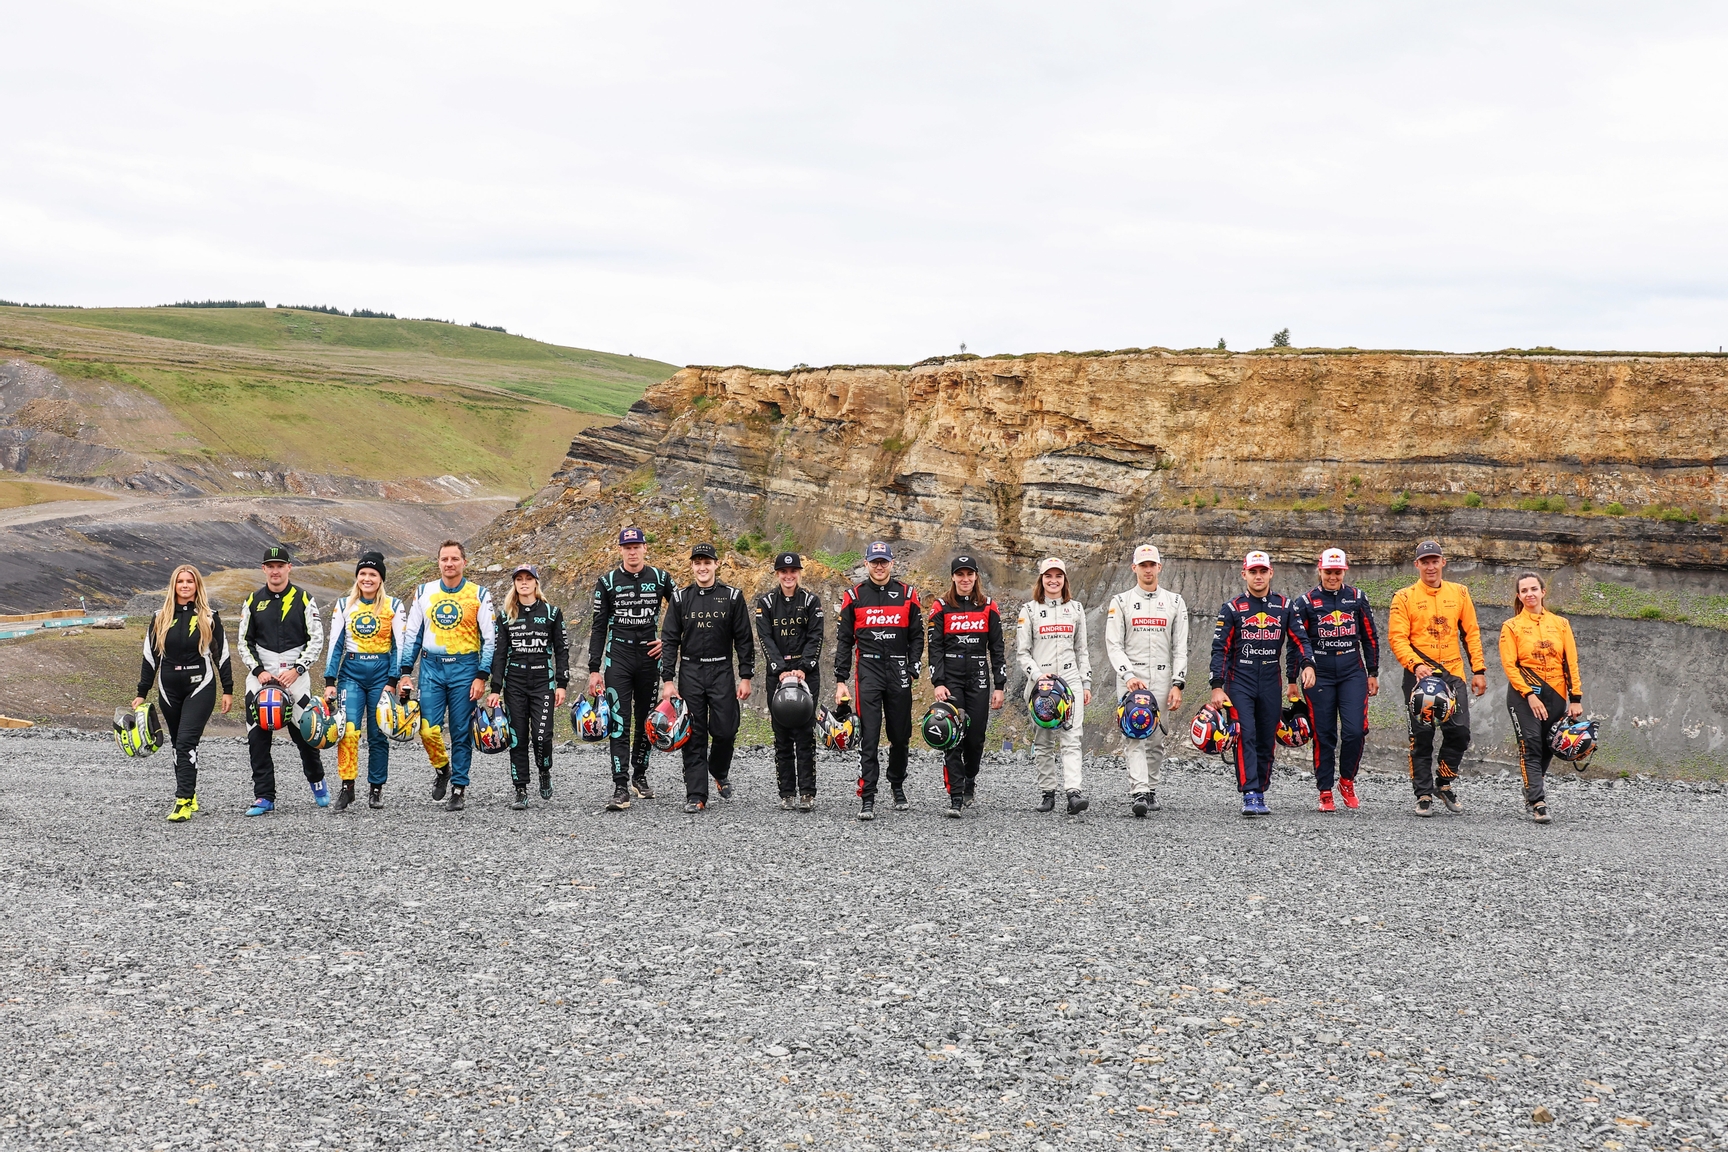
{"x":1256,"y":560}
{"x":1050,"y":562}
{"x":1334,"y":558}
{"x":1147,"y":552}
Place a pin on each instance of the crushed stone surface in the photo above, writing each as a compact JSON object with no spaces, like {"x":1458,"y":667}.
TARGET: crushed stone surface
{"x":566,"y":978}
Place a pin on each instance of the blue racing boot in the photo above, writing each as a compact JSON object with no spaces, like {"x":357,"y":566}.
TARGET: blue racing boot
{"x":321,"y":793}
{"x":260,"y":806}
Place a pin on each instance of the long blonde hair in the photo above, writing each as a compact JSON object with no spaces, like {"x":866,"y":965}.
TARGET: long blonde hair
{"x":512,"y":605}
{"x":200,"y":605}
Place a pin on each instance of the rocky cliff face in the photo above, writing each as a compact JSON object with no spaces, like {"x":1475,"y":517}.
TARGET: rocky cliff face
{"x":1606,"y":472}
{"x":1209,"y":454}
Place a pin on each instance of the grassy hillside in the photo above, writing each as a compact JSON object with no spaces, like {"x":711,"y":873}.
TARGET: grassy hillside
{"x":579,"y":378}
{"x":257,"y":389}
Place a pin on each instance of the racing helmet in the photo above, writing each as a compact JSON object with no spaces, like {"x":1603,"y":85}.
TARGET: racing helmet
{"x":1293,"y":728}
{"x":944,"y":726}
{"x":1137,"y":714}
{"x":139,"y":731}
{"x":1052,"y":702}
{"x":317,"y":726}
{"x":491,"y":730}
{"x":1216,"y":730}
{"x":668,"y":726}
{"x":838,"y":728}
{"x":269,"y":708}
{"x":792,"y":706}
{"x":397,"y":719}
{"x":1575,"y":741}
{"x":1432,"y":701}
{"x":592,"y":718}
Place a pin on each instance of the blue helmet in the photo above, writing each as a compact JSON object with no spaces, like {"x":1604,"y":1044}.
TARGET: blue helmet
{"x":1137,"y":714}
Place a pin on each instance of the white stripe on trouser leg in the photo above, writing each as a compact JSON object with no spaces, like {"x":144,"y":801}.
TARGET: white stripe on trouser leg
{"x":1051,"y":744}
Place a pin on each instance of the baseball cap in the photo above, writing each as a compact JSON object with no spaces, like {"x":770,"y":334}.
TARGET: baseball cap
{"x":1050,"y":562}
{"x":277,"y":554}
{"x":878,"y":551}
{"x":1428,"y":548}
{"x":1256,"y":560}
{"x":962,"y":561}
{"x":1147,"y":552}
{"x":521,"y":568}
{"x":787,"y":560}
{"x":704,"y":550}
{"x":1334,"y":558}
{"x":372,"y":560}
{"x":632,"y":535}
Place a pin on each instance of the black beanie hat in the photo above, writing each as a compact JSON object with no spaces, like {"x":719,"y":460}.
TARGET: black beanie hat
{"x":373,"y":560}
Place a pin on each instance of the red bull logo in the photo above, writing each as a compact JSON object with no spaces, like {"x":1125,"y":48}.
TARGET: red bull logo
{"x":1335,"y":617}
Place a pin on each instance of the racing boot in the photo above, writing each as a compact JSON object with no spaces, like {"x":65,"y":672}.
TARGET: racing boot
{"x":725,"y":789}
{"x":545,"y":784}
{"x":788,"y":804}
{"x":1424,"y":806}
{"x":1140,"y":804}
{"x":867,"y":810}
{"x":1450,"y":799}
{"x":901,"y":804}
{"x":1326,"y":804}
{"x":1077,"y":803}
{"x":955,"y":803}
{"x":1248,"y":808}
{"x":375,"y":796}
{"x":345,"y":796}
{"x":440,"y":782}
{"x":183,"y":809}
{"x":620,"y":797}
{"x":639,"y":785}
{"x":1048,"y":803}
{"x":320,"y":793}
{"x":1538,"y":812}
{"x":520,"y":804}
{"x":1347,"y":793}
{"x":807,"y":802}
{"x":458,"y":799}
{"x":693,"y":806}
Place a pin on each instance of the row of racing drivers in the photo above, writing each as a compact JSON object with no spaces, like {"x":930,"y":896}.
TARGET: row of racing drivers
{"x":1282,"y":669}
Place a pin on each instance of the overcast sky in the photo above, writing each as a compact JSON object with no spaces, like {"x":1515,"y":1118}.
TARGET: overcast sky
{"x":768,"y":184}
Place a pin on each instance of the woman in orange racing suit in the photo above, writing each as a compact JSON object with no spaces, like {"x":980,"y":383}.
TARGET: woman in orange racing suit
{"x":1540,"y":659}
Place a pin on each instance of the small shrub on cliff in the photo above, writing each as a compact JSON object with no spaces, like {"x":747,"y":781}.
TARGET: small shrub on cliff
{"x":1676,"y":516}
{"x":895,"y":445}
{"x":1543,"y":504}
{"x":1650,"y":612}
{"x":1472,"y":500}
{"x":1585,"y":505}
{"x":1281,"y":338}
{"x":1615,"y":509}
{"x":1401,"y":502}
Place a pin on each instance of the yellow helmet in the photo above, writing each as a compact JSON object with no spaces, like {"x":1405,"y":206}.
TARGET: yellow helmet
{"x":401,"y":722}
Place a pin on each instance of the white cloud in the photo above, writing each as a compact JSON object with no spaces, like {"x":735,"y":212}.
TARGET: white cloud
{"x":776,"y":183}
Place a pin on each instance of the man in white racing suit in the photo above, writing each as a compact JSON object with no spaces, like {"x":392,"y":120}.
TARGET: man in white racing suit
{"x":1146,"y":638}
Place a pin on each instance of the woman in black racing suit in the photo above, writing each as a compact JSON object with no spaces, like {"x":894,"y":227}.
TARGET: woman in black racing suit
{"x":185,"y":653}
{"x":530,"y":672}
{"x":968,"y":669}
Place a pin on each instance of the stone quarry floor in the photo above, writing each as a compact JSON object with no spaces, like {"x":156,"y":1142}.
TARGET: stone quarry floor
{"x":566,"y":978}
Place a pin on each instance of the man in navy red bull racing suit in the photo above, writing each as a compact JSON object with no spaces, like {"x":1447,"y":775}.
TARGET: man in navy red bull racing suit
{"x":1340,"y":627}
{"x":1253,"y":629}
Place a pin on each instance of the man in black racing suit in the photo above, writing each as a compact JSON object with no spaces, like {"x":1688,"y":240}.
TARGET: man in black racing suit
{"x":882,"y":619}
{"x":624,"y":640}
{"x":789,"y":625}
{"x":705,"y":623}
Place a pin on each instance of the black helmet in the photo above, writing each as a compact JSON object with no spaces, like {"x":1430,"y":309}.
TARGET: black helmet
{"x":944,"y":726}
{"x":792,"y":706}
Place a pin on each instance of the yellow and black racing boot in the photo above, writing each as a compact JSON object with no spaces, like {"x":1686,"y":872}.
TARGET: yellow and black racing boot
{"x":183,"y":809}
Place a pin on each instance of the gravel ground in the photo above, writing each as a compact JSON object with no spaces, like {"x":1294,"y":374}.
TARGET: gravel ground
{"x":566,"y":978}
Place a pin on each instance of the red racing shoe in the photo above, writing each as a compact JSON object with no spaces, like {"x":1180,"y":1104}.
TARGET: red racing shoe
{"x":1326,"y":804}
{"x":1347,"y":790}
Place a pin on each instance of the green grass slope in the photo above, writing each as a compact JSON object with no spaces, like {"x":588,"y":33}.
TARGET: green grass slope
{"x":579,"y":378}
{"x":389,"y":400}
